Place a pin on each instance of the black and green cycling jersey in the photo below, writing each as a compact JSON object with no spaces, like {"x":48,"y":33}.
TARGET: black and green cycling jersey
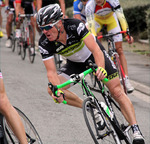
{"x":74,"y":50}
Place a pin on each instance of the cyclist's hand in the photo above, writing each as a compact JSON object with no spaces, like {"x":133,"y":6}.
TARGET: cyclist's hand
{"x":101,"y":73}
{"x":59,"y":98}
{"x":130,"y":39}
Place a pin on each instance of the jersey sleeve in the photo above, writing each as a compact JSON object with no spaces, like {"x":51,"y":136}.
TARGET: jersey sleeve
{"x":122,"y":19}
{"x":45,"y":50}
{"x":89,"y":11}
{"x":82,"y":31}
{"x":119,"y":12}
{"x":77,"y":7}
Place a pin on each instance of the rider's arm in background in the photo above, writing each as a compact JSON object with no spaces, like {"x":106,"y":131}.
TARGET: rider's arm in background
{"x":38,"y":4}
{"x":62,"y":5}
{"x":89,"y":12}
{"x":18,"y":7}
{"x":77,"y":9}
{"x":122,"y":20}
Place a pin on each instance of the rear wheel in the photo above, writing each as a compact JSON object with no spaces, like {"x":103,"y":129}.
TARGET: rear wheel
{"x":31,"y":45}
{"x":13,"y":39}
{"x":124,"y":125}
{"x":22,"y":46}
{"x":105,"y":136}
{"x":31,"y":133}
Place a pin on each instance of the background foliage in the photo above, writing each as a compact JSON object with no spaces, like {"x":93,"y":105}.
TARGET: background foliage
{"x":135,"y":12}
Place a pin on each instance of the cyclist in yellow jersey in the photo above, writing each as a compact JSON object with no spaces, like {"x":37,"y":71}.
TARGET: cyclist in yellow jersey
{"x":11,"y":114}
{"x":108,"y":12}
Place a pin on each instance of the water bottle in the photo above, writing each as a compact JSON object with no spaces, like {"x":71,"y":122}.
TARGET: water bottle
{"x":106,"y":109}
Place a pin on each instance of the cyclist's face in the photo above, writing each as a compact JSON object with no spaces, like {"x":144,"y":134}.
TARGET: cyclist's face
{"x":51,"y":34}
{"x":99,"y":2}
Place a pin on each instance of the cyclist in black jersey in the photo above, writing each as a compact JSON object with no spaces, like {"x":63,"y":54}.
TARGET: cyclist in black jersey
{"x":11,"y":114}
{"x":71,"y":38}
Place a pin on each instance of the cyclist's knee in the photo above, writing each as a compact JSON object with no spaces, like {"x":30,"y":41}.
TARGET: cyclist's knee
{"x":117,"y":93}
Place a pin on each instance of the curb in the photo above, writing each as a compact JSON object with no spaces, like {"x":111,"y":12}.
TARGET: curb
{"x":141,"y":87}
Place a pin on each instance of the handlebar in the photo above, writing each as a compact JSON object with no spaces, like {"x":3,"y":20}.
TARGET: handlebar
{"x":25,"y":15}
{"x":75,"y":78}
{"x":111,"y":34}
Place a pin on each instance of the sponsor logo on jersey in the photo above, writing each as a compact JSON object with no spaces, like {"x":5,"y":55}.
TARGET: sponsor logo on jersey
{"x":44,"y":42}
{"x":59,"y":48}
{"x":80,"y":28}
{"x":43,"y":51}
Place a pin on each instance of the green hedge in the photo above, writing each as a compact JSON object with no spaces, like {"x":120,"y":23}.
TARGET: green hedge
{"x":136,"y":18}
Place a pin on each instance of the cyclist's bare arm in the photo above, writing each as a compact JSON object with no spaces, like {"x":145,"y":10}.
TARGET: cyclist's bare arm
{"x":123,"y":23}
{"x":38,"y":4}
{"x":77,"y":16}
{"x":51,"y":71}
{"x":97,"y":53}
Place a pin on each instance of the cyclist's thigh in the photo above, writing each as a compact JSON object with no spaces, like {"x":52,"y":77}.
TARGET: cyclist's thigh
{"x":28,"y":7}
{"x":98,"y":25}
{"x":71,"y":68}
{"x":114,"y":27}
{"x":109,"y":64}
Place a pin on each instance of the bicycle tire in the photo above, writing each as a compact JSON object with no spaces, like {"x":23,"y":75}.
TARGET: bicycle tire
{"x":123,"y":124}
{"x":22,"y":46}
{"x":17,"y":42}
{"x":13,"y":39}
{"x":22,"y":43}
{"x":105,"y":136}
{"x":31,"y":133}
{"x":121,"y":75}
{"x":31,"y":45}
{"x":57,"y":61}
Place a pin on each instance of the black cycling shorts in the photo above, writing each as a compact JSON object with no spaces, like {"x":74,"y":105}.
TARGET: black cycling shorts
{"x":78,"y":67}
{"x":28,"y":7}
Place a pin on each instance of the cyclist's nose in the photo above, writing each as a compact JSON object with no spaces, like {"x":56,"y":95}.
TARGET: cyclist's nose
{"x":44,"y":31}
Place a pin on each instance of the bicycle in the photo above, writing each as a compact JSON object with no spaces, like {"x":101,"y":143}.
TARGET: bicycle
{"x":26,"y":41}
{"x":58,"y":61}
{"x":8,"y":137}
{"x":114,"y":56}
{"x":14,"y":41}
{"x":116,"y":129}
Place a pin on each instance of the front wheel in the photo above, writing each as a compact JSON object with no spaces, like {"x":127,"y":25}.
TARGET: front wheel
{"x":31,"y":133}
{"x":22,"y":46}
{"x":105,"y":136}
{"x":31,"y":45}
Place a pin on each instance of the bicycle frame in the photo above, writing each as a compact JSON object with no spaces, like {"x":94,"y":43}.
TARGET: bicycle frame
{"x":114,"y":55}
{"x":86,"y":91}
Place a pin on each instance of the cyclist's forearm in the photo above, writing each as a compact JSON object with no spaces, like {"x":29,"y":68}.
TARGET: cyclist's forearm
{"x":91,"y":24}
{"x":122,"y":19}
{"x":39,"y":4}
{"x":18,"y":9}
{"x":62,"y":5}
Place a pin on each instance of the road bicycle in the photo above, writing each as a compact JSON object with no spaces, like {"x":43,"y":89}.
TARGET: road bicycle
{"x":116,"y":130}
{"x":26,"y":41}
{"x":114,"y":56}
{"x":58,"y":61}
{"x":14,"y":41}
{"x":8,"y":137}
